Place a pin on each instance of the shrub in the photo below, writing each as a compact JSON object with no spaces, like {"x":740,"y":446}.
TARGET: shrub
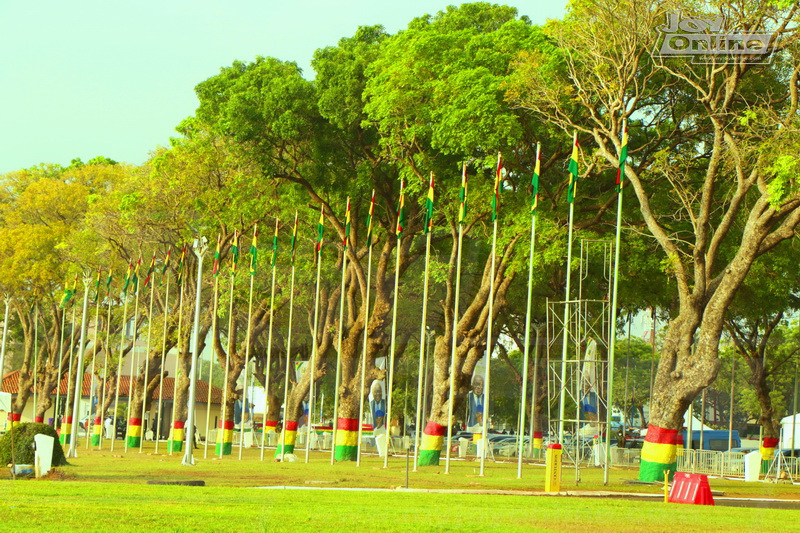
{"x":23,"y":444}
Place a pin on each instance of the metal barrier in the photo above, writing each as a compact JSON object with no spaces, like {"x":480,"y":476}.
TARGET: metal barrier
{"x":712,"y":463}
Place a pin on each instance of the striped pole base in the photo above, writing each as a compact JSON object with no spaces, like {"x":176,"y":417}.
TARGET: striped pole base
{"x":224,"y":444}
{"x":38,"y":419}
{"x":659,"y":453}
{"x":97,"y":430}
{"x":14,"y":419}
{"x":431,"y":446}
{"x":538,"y":443}
{"x":66,"y":430}
{"x":270,"y":425}
{"x":346,"y":439}
{"x":134,"y":432}
{"x":287,"y":439}
{"x":175,"y":443}
{"x":767,"y":449}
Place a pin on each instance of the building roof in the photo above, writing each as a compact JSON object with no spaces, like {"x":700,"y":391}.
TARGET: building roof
{"x":11,"y":385}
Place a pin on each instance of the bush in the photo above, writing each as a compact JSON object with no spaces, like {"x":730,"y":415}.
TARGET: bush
{"x":23,"y":444}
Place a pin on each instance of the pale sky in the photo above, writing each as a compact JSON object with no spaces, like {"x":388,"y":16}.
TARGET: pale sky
{"x":84,"y":78}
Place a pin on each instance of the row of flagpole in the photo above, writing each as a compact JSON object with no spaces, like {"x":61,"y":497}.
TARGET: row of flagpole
{"x":399,"y":229}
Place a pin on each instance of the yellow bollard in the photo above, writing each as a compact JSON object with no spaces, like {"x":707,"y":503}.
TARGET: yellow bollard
{"x":666,"y":486}
{"x":552,"y":480}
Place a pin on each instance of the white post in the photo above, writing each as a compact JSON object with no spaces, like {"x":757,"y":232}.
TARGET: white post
{"x":73,"y":444}
{"x":199,"y":247}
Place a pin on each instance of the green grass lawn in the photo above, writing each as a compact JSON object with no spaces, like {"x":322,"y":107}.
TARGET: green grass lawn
{"x":102,"y":491}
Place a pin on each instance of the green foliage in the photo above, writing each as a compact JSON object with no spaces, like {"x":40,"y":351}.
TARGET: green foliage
{"x":23,"y":444}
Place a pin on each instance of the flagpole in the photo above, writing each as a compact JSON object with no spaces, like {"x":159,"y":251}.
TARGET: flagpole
{"x":339,"y":340}
{"x":199,"y":248}
{"x":424,"y":320}
{"x":92,"y":412}
{"x":7,"y":300}
{"x":215,"y":273}
{"x":73,"y":445}
{"x":288,"y":346}
{"x":314,"y":336}
{"x":489,"y":344}
{"x":35,"y":355}
{"x":527,"y":349}
{"x":134,"y":356}
{"x":253,"y":259}
{"x":60,"y":361}
{"x":399,"y":232}
{"x":121,"y":354}
{"x":67,"y":398}
{"x":613,"y":341}
{"x":105,"y":361}
{"x":148,"y":279}
{"x":231,"y":342}
{"x":171,"y":443}
{"x":462,"y":213}
{"x":269,"y":338}
{"x":563,"y":397}
{"x":366,"y":333}
{"x":163,"y":354}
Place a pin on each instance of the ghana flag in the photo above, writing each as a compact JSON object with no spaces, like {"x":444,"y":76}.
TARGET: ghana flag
{"x":572,"y":189}
{"x":274,"y":246}
{"x":180,"y":265}
{"x":294,"y":236}
{"x":623,"y":156}
{"x":346,"y":225}
{"x":254,"y":252}
{"x":462,"y":195}
{"x":496,"y":194}
{"x":215,"y":268}
{"x":369,"y":219}
{"x":320,"y":229}
{"x":429,"y":208}
{"x":535,"y":180}
{"x":401,"y":211}
{"x":235,"y":251}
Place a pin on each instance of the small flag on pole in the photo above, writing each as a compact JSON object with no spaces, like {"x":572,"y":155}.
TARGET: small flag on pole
{"x":497,"y":177}
{"x":68,"y":293}
{"x":462,"y":195}
{"x":294,"y":236}
{"x":623,"y":156}
{"x":254,"y":252}
{"x":215,"y":268}
{"x":320,"y":229}
{"x":346,"y":225}
{"x":150,"y":270}
{"x":235,"y":251}
{"x":401,"y":211}
{"x":108,"y":281}
{"x":572,"y":189}
{"x":128,"y":276}
{"x":535,"y":180}
{"x":429,"y":208}
{"x":274,"y":245}
{"x":180,"y":266}
{"x":369,"y":219}
{"x":97,"y":286}
{"x":166,"y":265}
{"x":135,"y":278}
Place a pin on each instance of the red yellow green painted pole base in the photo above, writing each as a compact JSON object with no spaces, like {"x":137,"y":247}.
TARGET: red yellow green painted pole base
{"x":287,"y":439}
{"x":768,"y":446}
{"x":224,"y":444}
{"x":175,"y":444}
{"x":66,"y":431}
{"x":134,"y":432}
{"x":346,"y":439}
{"x":430,"y":449}
{"x":97,"y":430}
{"x":659,"y":453}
